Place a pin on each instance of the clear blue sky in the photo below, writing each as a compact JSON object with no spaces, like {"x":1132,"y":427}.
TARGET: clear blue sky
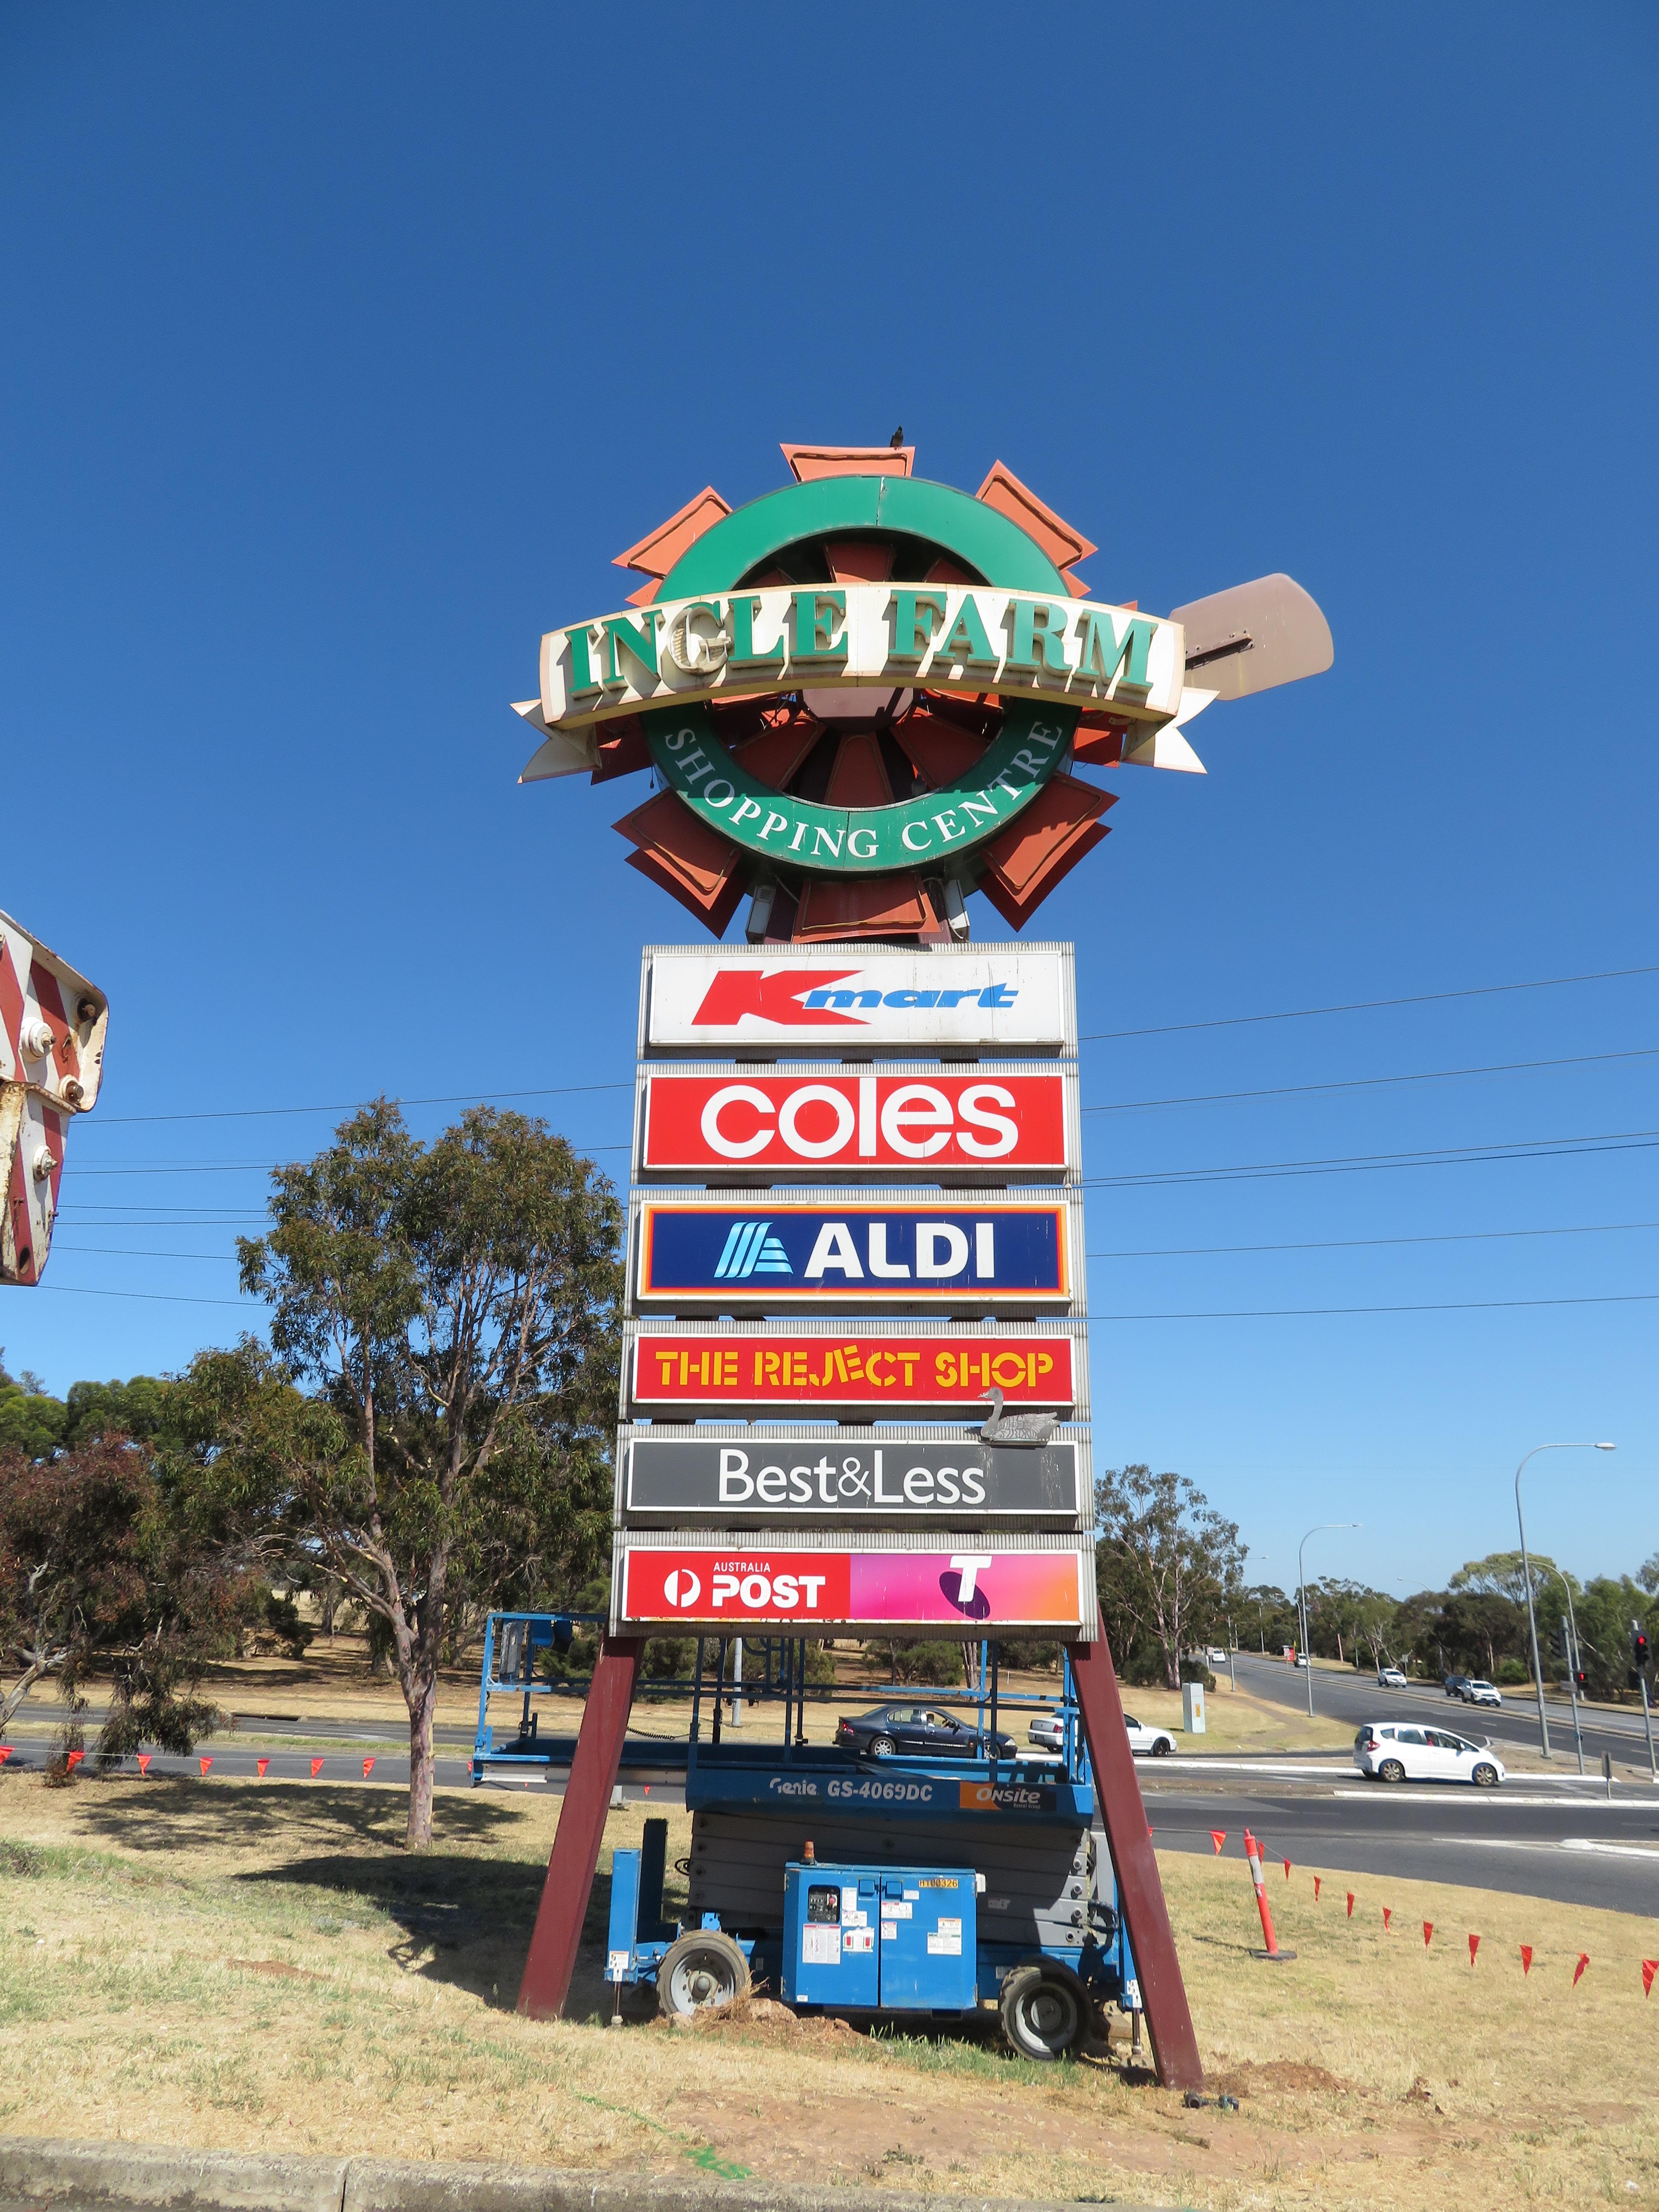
{"x":343,"y":349}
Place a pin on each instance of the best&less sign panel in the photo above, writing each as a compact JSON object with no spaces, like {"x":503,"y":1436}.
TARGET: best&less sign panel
{"x":742,"y":1477}
{"x":920,"y":1122}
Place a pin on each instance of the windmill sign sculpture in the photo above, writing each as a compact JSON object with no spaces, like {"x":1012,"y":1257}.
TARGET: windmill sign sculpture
{"x":865,"y":694}
{"x":857,"y":1195}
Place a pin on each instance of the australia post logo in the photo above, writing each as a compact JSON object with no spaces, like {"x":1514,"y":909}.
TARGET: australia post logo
{"x":877,"y":1125}
{"x":825,"y":998}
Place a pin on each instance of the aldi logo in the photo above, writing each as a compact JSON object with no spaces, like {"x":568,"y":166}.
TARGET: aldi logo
{"x":971,"y":999}
{"x":929,"y":1122}
{"x":834,"y":1256}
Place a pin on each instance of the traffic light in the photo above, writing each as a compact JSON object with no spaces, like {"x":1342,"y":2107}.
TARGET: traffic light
{"x":1638,"y":1656}
{"x":1581,"y":1678}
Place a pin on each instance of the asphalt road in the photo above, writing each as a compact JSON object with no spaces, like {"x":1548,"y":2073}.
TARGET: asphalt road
{"x":1537,"y":1838}
{"x":1355,"y":1698}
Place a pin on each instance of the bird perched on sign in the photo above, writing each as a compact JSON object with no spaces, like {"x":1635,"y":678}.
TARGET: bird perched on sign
{"x":1013,"y":1428}
{"x":897,"y":437}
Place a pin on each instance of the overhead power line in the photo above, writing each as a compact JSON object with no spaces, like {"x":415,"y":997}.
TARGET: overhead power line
{"x":1361,"y":1243}
{"x":455,"y":1098}
{"x":1367,"y":1005}
{"x":1459,"y":1305}
{"x":1374,"y":1082}
{"x":1543,"y":1148}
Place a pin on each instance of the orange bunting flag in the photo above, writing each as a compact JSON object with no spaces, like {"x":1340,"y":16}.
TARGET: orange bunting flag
{"x":262,"y":1764}
{"x":368,"y":1768}
{"x":1388,"y":1915}
{"x":1428,"y":1934}
{"x":316,"y":1768}
{"x":1218,"y":1837}
{"x":205,"y":1764}
{"x":5,"y":1753}
{"x":144,"y":1759}
{"x":1315,"y":1889}
{"x":1583,"y":1961}
{"x":1526,"y":1958}
{"x":1287,"y":1870}
{"x":72,"y":1760}
{"x":1649,"y":1968}
{"x":1474,"y":1945}
{"x":1350,"y":1904}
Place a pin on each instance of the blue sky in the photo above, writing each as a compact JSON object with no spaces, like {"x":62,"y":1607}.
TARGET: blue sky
{"x":344,"y":349}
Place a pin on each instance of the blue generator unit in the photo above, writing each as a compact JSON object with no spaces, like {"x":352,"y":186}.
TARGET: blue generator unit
{"x":880,"y":1938}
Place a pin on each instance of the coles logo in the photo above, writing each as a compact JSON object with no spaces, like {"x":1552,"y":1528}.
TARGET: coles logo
{"x":862,"y":1123}
{"x":704,"y":1586}
{"x":823,"y":997}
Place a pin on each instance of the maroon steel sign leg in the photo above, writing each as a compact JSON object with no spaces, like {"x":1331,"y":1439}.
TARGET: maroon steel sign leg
{"x":1140,"y":1891}
{"x":594,"y":1769}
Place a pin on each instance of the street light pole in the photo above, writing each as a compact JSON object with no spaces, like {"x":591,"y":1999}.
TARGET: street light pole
{"x":1526,"y":1576}
{"x":1302,"y":1595}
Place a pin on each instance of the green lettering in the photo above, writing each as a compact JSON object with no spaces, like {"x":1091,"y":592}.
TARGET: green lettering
{"x":641,"y":643}
{"x":741,"y":610}
{"x":1039,"y":637}
{"x":967,"y":642}
{"x":912,"y":634}
{"x":1101,"y":650}
{"x":816,"y":616}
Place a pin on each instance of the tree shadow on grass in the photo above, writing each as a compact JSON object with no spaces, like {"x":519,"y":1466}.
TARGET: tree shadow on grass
{"x":464,"y":1921}
{"x":186,"y":1816}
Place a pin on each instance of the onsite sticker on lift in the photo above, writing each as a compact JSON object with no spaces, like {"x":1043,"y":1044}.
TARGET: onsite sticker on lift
{"x":767,"y":1255}
{"x":715,"y":1372}
{"x":730,"y":1122}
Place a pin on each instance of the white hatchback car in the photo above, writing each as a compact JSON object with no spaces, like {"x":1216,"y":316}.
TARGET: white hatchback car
{"x":1047,"y":1732}
{"x":1390,"y":1678}
{"x":1393,"y":1751}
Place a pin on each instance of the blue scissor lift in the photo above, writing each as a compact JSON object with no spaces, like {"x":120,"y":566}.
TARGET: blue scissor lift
{"x":939,"y":1887}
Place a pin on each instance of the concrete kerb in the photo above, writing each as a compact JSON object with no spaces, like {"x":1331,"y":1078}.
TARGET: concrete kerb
{"x":89,"y":2177}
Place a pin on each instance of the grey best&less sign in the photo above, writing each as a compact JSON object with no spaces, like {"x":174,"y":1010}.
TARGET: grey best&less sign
{"x":812,"y":1482}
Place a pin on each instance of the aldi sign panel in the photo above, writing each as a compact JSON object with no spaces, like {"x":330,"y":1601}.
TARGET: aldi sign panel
{"x":977,"y":1587}
{"x":823,"y":1253}
{"x":883,"y":1373}
{"x":764,"y":1479}
{"x":858,"y":999}
{"x":927,"y":1122}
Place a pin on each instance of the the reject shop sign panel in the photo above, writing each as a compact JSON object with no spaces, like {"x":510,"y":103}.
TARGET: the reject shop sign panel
{"x":729,"y":1477}
{"x":737,"y":1583}
{"x":891,"y":1370}
{"x":817,"y":1251}
{"x":732,"y":1123}
{"x":858,"y":999}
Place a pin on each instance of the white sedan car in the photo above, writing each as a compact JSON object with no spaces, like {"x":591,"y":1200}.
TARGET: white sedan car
{"x":1047,"y":1732}
{"x":1392,"y":1752}
{"x":1390,"y":1678}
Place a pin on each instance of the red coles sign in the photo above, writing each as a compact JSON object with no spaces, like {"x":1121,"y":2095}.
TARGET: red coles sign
{"x":869,"y":1124}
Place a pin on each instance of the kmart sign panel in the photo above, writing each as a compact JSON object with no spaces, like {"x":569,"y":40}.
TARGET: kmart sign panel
{"x":857,"y":999}
{"x":1062,"y":652}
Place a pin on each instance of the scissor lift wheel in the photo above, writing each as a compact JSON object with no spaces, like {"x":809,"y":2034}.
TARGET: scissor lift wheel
{"x":1043,"y":2012}
{"x":703,"y":1968}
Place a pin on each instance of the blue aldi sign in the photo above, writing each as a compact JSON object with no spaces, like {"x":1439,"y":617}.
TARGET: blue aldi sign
{"x":811,"y":1255}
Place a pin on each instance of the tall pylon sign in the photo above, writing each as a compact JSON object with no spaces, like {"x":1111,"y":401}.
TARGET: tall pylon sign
{"x":855,"y":1391}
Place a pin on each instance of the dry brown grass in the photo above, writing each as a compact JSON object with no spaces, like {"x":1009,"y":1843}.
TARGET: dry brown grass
{"x":246,"y":1967}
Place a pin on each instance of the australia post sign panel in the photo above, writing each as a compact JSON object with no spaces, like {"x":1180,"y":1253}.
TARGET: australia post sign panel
{"x":884,"y":1369}
{"x":856,"y":1000}
{"x":734,"y":1478}
{"x":956,"y":1586}
{"x":738,"y":1122}
{"x":826,"y":1254}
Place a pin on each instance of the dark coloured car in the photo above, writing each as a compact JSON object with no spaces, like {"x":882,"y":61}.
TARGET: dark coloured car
{"x":1457,"y":1686}
{"x":917,"y":1732}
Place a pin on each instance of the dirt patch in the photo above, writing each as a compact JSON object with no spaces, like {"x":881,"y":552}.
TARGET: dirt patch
{"x":1250,"y":2079}
{"x":278,"y":1969}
